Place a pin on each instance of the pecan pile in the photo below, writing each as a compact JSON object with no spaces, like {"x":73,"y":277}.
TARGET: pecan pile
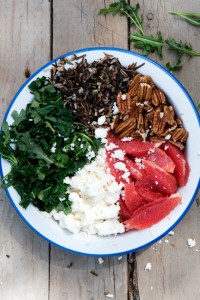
{"x":145,"y":114}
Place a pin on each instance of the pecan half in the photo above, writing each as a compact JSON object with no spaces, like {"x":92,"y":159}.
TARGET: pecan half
{"x":144,"y":92}
{"x":125,"y":127}
{"x":158,"y":97}
{"x":124,"y":103}
{"x":180,"y":134}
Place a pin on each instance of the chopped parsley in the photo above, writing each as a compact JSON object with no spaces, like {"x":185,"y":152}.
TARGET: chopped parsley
{"x":45,"y":144}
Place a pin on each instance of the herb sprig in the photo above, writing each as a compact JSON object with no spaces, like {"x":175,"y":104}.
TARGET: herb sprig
{"x":190,"y":17}
{"x":44,"y":145}
{"x":149,"y":43}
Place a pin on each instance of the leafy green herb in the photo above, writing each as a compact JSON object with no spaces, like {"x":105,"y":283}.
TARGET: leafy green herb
{"x":192,"y":18}
{"x":181,"y":49}
{"x":148,"y":43}
{"x":124,"y":9}
{"x":44,"y":145}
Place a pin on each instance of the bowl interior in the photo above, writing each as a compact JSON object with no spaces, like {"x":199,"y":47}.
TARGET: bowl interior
{"x":132,"y":240}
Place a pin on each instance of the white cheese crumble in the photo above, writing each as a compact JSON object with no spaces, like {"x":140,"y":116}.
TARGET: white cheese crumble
{"x":191,"y":242}
{"x":101,"y":120}
{"x":109,"y":295}
{"x":93,"y":192}
{"x":115,"y":109}
{"x":171,"y":232}
{"x":119,"y":154}
{"x":101,"y":260}
{"x":111,"y":146}
{"x":127,"y":139}
{"x":53,"y":148}
{"x":148,"y":266}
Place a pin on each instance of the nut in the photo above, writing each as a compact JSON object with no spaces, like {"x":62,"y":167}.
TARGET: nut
{"x":124,"y":103}
{"x":158,"y":97}
{"x":126,"y":126}
{"x":144,"y":92}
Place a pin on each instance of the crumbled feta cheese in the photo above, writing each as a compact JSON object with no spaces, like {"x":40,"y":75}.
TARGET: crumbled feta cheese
{"x":90,"y":154}
{"x":115,"y":109}
{"x":119,"y":154}
{"x":111,"y":146}
{"x":171,"y":232}
{"x":100,"y":133}
{"x":120,"y":257}
{"x":94,"y":192}
{"x":168,"y":137}
{"x":101,"y":120}
{"x":127,"y":139}
{"x":120,"y":166}
{"x":72,"y":146}
{"x":53,"y":148}
{"x":151,"y":150}
{"x":167,"y":241}
{"x":148,"y":266}
{"x":101,"y":260}
{"x":123,"y":97}
{"x":166,"y":147}
{"x":191,"y":242}
{"x":156,"y":182}
{"x":109,"y":295}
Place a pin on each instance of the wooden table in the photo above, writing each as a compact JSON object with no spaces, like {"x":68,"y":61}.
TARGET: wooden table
{"x":31,"y":33}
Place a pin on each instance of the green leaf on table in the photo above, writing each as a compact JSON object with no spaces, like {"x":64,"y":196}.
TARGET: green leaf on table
{"x":181,"y":48}
{"x":190,"y":17}
{"x":148,"y":43}
{"x":176,"y":67}
{"x":125,"y":9}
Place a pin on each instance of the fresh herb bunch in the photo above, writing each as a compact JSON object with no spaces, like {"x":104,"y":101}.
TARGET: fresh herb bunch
{"x":149,"y":43}
{"x":44,"y":145}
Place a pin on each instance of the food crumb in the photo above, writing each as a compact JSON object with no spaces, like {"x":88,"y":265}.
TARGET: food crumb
{"x":120,"y":257}
{"x":151,"y":288}
{"x":108,"y":295}
{"x":148,"y":266}
{"x":160,"y":242}
{"x":167,"y":241}
{"x":171,"y":232}
{"x":191,"y":242}
{"x":101,"y":261}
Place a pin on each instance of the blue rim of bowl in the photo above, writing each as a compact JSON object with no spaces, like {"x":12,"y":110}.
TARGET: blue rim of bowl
{"x":145,"y":59}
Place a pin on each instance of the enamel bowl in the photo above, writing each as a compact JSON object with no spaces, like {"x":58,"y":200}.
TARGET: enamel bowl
{"x":132,"y":240}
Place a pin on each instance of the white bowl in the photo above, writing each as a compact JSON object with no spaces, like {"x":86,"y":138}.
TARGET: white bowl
{"x":132,"y":240}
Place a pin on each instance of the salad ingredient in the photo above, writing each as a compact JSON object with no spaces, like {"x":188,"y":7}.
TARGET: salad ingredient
{"x":149,"y":43}
{"x":182,"y":168}
{"x":146,"y":115}
{"x":89,"y":90}
{"x":44,"y":145}
{"x":159,"y":157}
{"x":180,"y":49}
{"x":93,"y":193}
{"x":125,"y":9}
{"x":190,"y":17}
{"x":132,"y":199}
{"x":151,"y":213}
{"x":161,"y":180}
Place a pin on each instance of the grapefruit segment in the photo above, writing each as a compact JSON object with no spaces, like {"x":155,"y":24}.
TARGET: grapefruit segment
{"x":137,"y":148}
{"x":153,"y":212}
{"x":132,"y":199}
{"x":135,"y":169}
{"x":160,"y":158}
{"x":161,"y":180}
{"x":182,"y":169}
{"x":146,"y":190}
{"x":124,"y":212}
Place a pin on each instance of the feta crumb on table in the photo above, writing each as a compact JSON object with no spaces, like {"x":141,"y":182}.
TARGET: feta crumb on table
{"x":148,"y":266}
{"x":191,"y":242}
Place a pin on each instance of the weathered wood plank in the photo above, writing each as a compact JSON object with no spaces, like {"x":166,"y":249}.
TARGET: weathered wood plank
{"x":76,"y":25}
{"x":175,"y":267}
{"x":24,"y":35}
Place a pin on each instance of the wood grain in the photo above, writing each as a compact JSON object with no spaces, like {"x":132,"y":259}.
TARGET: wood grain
{"x":76,"y":25}
{"x":24,"y":35}
{"x":175,"y":267}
